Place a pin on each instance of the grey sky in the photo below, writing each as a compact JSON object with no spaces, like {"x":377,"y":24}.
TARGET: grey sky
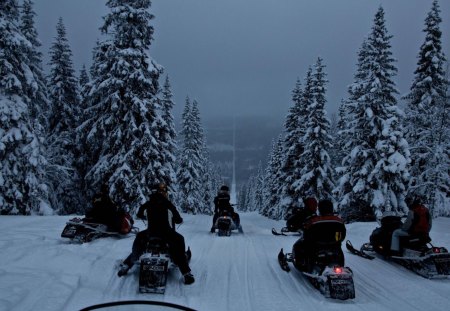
{"x":243,"y":56}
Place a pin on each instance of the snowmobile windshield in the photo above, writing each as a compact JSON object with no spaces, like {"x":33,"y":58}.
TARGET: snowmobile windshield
{"x":137,"y":305}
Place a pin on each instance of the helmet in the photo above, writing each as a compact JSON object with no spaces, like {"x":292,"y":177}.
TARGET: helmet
{"x":161,"y":188}
{"x":311,"y":204}
{"x":224,"y":188}
{"x":325,"y":207}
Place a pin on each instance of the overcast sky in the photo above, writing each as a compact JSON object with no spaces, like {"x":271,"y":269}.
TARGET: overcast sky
{"x":243,"y":57}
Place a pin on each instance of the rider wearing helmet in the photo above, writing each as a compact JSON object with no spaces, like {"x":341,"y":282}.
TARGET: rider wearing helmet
{"x":162,"y":216}
{"x":417,"y":224}
{"x":221,"y":204}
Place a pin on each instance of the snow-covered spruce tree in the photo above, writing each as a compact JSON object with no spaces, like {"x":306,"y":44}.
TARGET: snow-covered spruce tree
{"x":83,"y":81}
{"x":341,"y":138}
{"x":190,"y":161}
{"x":375,"y":173}
{"x":258,"y":189}
{"x":22,"y":186}
{"x":167,"y":136}
{"x":249,"y":203}
{"x":40,"y":106}
{"x":350,"y":112}
{"x":82,"y":161}
{"x":317,"y":177}
{"x":242,"y":197}
{"x":272,"y":180}
{"x":67,"y":195}
{"x":427,"y":120}
{"x":335,"y":153}
{"x":294,"y":129}
{"x":208,"y":184}
{"x":123,"y":106}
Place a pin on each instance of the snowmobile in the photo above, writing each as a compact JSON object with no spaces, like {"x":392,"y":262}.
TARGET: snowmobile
{"x":417,"y":252}
{"x":155,"y":264}
{"x":84,"y":230}
{"x":321,"y":260}
{"x":225,"y":224}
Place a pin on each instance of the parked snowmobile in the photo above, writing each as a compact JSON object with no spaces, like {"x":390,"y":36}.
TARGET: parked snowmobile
{"x":155,"y":264}
{"x":417,"y":252}
{"x":87,"y":229}
{"x":298,"y":217}
{"x":321,"y":260}
{"x":225,"y":224}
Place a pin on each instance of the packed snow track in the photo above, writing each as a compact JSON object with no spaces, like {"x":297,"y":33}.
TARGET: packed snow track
{"x":39,"y":270}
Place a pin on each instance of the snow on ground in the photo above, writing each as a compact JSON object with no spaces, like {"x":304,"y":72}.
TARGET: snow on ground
{"x":39,"y":270}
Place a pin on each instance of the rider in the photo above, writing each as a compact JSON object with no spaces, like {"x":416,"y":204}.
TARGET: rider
{"x":418,"y":224}
{"x":222,"y":204}
{"x":159,"y":212}
{"x":325,"y":228}
{"x":296,"y":221}
{"x":104,"y":210}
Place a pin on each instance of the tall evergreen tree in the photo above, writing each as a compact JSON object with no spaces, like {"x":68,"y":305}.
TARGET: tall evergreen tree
{"x":40,"y":106}
{"x":83,"y":81}
{"x":317,"y":177}
{"x":22,"y":186}
{"x":427,"y":119}
{"x":375,"y":173}
{"x":123,"y":106}
{"x":191,"y":161}
{"x":272,"y":178}
{"x":258,"y":190}
{"x":64,"y":117}
{"x":295,"y":129}
{"x":167,"y":136}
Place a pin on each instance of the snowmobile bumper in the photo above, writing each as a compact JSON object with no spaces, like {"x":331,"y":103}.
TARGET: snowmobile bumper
{"x":224,"y":226}
{"x":339,"y":283}
{"x":153,"y":274}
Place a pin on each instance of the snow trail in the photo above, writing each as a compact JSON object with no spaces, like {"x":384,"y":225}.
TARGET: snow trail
{"x":41,"y":271}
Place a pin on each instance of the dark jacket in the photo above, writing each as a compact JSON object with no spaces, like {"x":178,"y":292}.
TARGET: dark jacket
{"x":418,"y":221}
{"x":161,"y":214}
{"x":222,"y":203}
{"x":103,"y":209}
{"x":298,"y":219}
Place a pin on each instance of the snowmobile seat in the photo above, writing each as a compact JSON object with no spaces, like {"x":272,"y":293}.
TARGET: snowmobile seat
{"x":325,"y":233}
{"x":391,"y":223}
{"x":415,"y":241}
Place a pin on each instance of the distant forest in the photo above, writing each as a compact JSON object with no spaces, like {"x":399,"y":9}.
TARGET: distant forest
{"x":65,"y":134}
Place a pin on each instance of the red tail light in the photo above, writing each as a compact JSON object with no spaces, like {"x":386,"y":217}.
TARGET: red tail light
{"x":436,"y":250}
{"x":338,"y":270}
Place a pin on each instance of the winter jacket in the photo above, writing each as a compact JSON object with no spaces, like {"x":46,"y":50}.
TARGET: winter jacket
{"x":161,"y":215}
{"x":298,"y":219}
{"x":418,"y":221}
{"x":103,"y":210}
{"x":222,"y":203}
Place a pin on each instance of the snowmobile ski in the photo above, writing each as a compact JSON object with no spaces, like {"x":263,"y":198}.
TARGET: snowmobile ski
{"x":275,"y":232}
{"x":359,"y":253}
{"x":283,"y":261}
{"x":286,"y":232}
